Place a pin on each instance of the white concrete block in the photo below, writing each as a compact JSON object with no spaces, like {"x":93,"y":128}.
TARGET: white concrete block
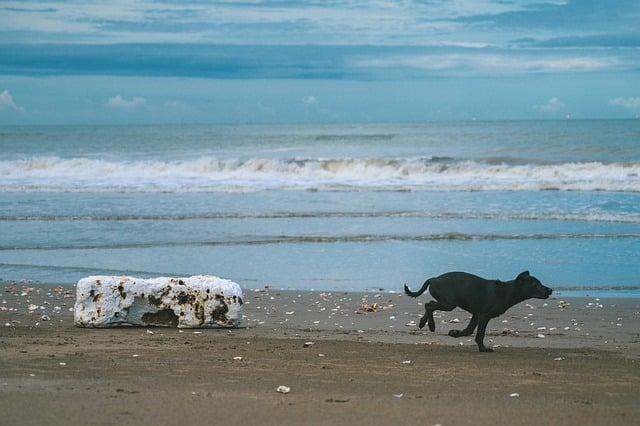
{"x":193,"y":302}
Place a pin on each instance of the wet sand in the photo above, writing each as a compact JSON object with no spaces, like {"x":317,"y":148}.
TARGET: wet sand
{"x":575,"y":363}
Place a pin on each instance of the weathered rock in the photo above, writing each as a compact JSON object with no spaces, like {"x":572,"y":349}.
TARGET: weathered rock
{"x":198,"y":301}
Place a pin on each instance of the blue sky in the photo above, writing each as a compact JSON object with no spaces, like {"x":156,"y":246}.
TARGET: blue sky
{"x":156,"y":61}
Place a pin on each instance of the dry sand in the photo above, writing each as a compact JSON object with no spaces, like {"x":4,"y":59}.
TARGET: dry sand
{"x":362,"y":368}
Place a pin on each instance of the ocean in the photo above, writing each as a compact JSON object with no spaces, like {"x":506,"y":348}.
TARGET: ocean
{"x":334,"y":207}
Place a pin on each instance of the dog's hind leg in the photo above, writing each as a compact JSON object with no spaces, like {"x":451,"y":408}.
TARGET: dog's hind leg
{"x":468,"y":331}
{"x":483,"y":320}
{"x":429,"y":307}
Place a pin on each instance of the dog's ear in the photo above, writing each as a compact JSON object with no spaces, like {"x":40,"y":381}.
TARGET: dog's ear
{"x":522,"y":276}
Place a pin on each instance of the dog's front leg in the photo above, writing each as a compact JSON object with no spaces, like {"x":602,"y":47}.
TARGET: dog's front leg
{"x":468,"y":331}
{"x":483,"y":320}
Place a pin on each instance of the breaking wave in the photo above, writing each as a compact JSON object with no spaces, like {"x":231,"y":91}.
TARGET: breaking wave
{"x":210,"y":174}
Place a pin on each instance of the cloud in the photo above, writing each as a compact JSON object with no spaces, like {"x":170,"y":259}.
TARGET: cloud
{"x":628,"y":103}
{"x":7,"y":102}
{"x":494,"y":62}
{"x":552,"y":105}
{"x":118,"y":102}
{"x":306,"y":22}
{"x":310,"y":100}
{"x":602,"y":40}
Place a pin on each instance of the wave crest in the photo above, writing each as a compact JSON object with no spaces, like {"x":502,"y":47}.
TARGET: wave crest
{"x":215,"y":174}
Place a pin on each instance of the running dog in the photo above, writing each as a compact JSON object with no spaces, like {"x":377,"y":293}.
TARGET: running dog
{"x":483,"y":299}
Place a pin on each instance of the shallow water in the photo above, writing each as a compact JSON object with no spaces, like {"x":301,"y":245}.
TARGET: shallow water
{"x":323,"y":206}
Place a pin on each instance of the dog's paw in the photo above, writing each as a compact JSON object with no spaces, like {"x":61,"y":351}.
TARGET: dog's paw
{"x":432,"y":326}
{"x":454,"y":333}
{"x":484,"y":349}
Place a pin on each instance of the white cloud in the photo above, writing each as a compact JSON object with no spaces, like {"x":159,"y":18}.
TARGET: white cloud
{"x":462,"y":63}
{"x":552,"y":105}
{"x":118,"y":102}
{"x":310,"y":100}
{"x":628,"y":103}
{"x":6,"y":101}
{"x":337,"y":21}
{"x":176,"y":105}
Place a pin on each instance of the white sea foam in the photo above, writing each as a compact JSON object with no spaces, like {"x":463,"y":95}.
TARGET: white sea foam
{"x":214,"y":174}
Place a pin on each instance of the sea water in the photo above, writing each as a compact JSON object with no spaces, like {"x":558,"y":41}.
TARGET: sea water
{"x":326,"y":207}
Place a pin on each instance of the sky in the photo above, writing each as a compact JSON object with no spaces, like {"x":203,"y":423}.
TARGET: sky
{"x":254,"y":61}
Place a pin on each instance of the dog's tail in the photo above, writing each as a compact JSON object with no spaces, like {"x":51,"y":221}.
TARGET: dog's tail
{"x":419,"y":292}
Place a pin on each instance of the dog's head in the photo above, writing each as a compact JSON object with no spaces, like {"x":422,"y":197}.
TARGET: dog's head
{"x":531,"y":287}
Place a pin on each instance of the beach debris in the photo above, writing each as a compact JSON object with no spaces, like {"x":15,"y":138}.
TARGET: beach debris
{"x":365,"y":307}
{"x":283,"y":389}
{"x":62,"y":363}
{"x":398,"y":395}
{"x":336,"y":400}
{"x":45,"y":318}
{"x":514,"y":395}
{"x":321,"y":355}
{"x":540,"y":336}
{"x":307,"y":344}
{"x":406,"y":362}
{"x":149,"y":331}
{"x":198,"y":301}
{"x":135,"y":355}
{"x":560,"y":358}
{"x":237,"y":358}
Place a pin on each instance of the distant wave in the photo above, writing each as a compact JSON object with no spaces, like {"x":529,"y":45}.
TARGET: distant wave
{"x":328,"y":239}
{"x":541,"y":216}
{"x":211,"y":174}
{"x":356,"y":137}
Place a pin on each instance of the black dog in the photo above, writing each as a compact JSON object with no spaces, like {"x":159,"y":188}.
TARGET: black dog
{"x":484,"y":299}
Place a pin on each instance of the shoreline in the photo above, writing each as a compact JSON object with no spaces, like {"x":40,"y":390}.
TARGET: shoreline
{"x":594,"y":322}
{"x":361,"y":368}
{"x":584,"y":292}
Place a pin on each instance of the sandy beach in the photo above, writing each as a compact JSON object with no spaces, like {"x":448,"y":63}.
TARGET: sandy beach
{"x":570,"y":361}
